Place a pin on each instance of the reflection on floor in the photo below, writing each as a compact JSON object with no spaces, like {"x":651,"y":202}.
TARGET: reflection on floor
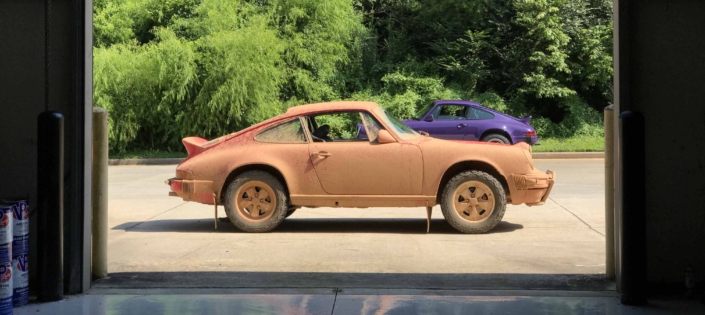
{"x":355,"y":302}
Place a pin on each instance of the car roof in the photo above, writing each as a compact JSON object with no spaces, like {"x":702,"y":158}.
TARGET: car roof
{"x":330,"y":106}
{"x":476,"y":104}
{"x":458,"y":102}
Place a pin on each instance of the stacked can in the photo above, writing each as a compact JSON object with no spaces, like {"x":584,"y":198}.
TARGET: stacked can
{"x":6,"y":258}
{"x":20,"y":249}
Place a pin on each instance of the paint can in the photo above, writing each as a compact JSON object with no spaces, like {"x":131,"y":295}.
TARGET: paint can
{"x":6,"y":223}
{"x":20,"y":250}
{"x":20,"y":280}
{"x":20,"y":226}
{"x":5,"y":258}
{"x":5,"y":286}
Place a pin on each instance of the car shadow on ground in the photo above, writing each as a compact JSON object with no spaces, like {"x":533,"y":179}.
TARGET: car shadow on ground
{"x":312,"y":225}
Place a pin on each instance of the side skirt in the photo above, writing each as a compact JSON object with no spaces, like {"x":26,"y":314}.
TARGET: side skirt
{"x":362,"y":201}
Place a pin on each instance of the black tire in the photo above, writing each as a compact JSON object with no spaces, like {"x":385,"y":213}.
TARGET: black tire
{"x":462,"y":224}
{"x":495,"y":137}
{"x":239,"y":220}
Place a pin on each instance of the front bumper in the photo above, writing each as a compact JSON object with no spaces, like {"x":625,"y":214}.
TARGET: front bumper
{"x":192,"y":190}
{"x":531,"y":189}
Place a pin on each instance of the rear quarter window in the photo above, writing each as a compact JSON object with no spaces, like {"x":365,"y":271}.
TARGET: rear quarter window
{"x":287,"y":132}
{"x":479,"y":114}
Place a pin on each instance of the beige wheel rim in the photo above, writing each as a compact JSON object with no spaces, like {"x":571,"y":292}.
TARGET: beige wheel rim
{"x":474,"y":201}
{"x":255,"y":201}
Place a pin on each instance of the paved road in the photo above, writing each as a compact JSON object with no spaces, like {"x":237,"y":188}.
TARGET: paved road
{"x":153,"y":232}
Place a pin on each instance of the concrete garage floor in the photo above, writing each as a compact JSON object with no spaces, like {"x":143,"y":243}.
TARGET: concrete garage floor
{"x":360,"y":302}
{"x":158,"y":241}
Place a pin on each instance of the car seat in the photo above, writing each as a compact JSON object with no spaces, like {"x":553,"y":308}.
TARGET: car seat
{"x":322,"y":133}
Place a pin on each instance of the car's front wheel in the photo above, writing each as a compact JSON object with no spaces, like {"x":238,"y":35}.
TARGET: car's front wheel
{"x":473,"y":202}
{"x":256,"y":202}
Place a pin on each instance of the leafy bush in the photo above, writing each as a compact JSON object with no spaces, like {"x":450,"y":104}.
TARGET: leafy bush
{"x":166,"y":69}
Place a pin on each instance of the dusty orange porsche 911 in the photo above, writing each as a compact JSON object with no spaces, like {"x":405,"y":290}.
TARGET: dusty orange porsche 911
{"x":316,"y":156}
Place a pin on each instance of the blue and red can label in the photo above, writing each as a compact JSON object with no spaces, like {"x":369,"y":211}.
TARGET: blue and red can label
{"x":5,"y":289}
{"x":20,"y":280}
{"x":20,"y":215}
{"x":5,"y":254}
{"x":6,"y":223}
{"x":20,"y":227}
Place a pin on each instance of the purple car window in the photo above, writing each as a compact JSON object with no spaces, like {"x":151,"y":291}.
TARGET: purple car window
{"x":478,"y":114}
{"x":450,"y":112}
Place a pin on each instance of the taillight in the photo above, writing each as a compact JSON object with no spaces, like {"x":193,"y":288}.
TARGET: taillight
{"x":531,"y":134}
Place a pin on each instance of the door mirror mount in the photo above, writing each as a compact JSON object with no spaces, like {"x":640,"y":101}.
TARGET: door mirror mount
{"x":428,"y":118}
{"x":383,"y":136}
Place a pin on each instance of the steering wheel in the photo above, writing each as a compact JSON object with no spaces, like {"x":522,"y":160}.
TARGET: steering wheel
{"x":317,"y":138}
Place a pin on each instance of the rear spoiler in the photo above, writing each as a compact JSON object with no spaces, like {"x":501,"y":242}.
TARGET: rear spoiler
{"x":194,"y":145}
{"x":525,"y":119}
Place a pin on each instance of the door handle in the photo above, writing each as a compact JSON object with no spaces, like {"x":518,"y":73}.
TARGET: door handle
{"x":462,"y":126}
{"x":323,"y":154}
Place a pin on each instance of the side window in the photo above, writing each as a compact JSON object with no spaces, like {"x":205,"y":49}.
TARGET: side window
{"x":450,"y":112}
{"x":337,"y":127}
{"x":372,"y":125}
{"x":478,"y":114}
{"x":288,"y":132}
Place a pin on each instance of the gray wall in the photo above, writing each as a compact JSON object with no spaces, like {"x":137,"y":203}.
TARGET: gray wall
{"x":22,"y":100}
{"x":666,"y":56}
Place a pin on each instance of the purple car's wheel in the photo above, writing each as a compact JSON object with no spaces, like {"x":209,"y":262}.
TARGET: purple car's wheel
{"x":496,"y":138}
{"x":255,"y":202}
{"x":473,"y":202}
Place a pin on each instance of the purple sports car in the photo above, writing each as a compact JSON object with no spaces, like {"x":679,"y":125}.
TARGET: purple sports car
{"x":465,"y":120}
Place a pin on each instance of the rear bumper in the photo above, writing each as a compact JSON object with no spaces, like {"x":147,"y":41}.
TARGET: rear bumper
{"x":192,"y":190}
{"x":531,"y":189}
{"x":530,"y":140}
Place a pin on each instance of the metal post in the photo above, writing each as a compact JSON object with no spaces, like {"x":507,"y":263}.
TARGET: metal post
{"x":50,"y":206}
{"x":609,"y":192}
{"x":99,"y":263}
{"x":633,"y":228}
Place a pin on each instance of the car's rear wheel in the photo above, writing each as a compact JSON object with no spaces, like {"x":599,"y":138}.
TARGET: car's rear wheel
{"x":256,"y":202}
{"x":473,"y":202}
{"x":496,"y":138}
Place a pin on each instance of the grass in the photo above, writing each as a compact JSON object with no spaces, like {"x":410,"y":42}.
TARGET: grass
{"x":575,"y":144}
{"x":147,"y":154}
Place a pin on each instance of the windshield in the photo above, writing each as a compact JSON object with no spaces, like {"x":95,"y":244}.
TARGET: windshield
{"x":399,"y":127}
{"x":420,"y":114}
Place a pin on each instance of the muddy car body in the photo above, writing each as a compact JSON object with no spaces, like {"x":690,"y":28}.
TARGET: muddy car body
{"x":265,"y":172}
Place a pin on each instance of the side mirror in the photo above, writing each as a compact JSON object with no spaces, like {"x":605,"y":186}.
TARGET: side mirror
{"x":428,"y":118}
{"x":384,"y":136}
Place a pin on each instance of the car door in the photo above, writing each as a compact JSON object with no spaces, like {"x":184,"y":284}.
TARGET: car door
{"x":478,"y":121}
{"x":365,"y":167}
{"x":449,"y":122}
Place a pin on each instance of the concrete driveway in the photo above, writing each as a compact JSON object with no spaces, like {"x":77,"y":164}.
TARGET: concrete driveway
{"x":151,"y":232}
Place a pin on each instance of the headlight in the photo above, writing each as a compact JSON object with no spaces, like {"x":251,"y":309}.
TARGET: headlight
{"x":527,"y":154}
